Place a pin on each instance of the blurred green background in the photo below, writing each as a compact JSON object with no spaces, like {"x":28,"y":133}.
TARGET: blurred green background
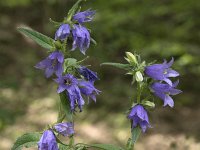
{"x":155,"y":29}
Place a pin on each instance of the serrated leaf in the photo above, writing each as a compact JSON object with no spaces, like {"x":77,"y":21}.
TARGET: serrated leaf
{"x":66,"y":106}
{"x":73,"y":10}
{"x":136,"y":133}
{"x":27,"y":140}
{"x":106,"y":147}
{"x":118,"y":65}
{"x":39,"y":38}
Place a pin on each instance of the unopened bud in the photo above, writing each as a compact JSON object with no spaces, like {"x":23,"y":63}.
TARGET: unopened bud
{"x":138,"y":76}
{"x":132,"y":59}
{"x":148,"y":104}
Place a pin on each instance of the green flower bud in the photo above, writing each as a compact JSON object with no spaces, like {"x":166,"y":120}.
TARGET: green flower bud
{"x":138,"y":76}
{"x":131,"y":58}
{"x":149,"y":104}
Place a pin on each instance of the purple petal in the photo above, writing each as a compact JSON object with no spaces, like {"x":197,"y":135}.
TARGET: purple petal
{"x":172,"y":73}
{"x":43,"y":64}
{"x":168,"y":101}
{"x":61,"y":88}
{"x":49,"y":72}
{"x":168,"y":81}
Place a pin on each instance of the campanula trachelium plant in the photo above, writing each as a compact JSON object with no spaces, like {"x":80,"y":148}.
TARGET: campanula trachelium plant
{"x":75,"y":82}
{"x":152,"y":80}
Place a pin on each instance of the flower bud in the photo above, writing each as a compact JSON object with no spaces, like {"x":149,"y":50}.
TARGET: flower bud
{"x":148,"y":104}
{"x":131,"y":58}
{"x":138,"y":76}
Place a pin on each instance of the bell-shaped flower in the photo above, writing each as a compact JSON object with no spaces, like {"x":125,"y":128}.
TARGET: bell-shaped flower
{"x":139,"y":117}
{"x":87,"y":88}
{"x":163,"y":91}
{"x":69,"y":84}
{"x":52,"y":64}
{"x":65,"y":129}
{"x":48,"y":141}
{"x":88,"y":74}
{"x":81,"y":38}
{"x":162,"y":72}
{"x":63,"y":32}
{"x":84,"y":16}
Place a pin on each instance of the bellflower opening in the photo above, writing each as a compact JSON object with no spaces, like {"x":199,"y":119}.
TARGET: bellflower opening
{"x":162,"y":71}
{"x":70,"y":84}
{"x":81,"y":38}
{"x":48,"y":141}
{"x":139,"y":117}
{"x":88,"y":74}
{"x":163,"y":91}
{"x":65,"y":129}
{"x":63,"y":32}
{"x":85,"y":16}
{"x":52,"y":64}
{"x":87,"y":88}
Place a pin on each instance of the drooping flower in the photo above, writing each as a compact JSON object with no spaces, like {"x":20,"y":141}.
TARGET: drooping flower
{"x":88,"y":74}
{"x":63,"y":32}
{"x":162,"y":71}
{"x":81,"y":38}
{"x":87,"y":88}
{"x":65,"y":129}
{"x":139,"y":117}
{"x":85,"y":16}
{"x":163,"y":91}
{"x":48,"y":141}
{"x":52,"y":64}
{"x":69,"y":83}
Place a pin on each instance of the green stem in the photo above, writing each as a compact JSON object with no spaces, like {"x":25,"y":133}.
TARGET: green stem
{"x":71,"y":141}
{"x":139,"y":91}
{"x":61,"y":114}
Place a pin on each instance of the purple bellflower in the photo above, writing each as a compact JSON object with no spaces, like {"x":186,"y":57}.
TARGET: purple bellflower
{"x":63,"y":32}
{"x":162,"y":71}
{"x":85,"y":16}
{"x":88,"y":74}
{"x":65,"y":129}
{"x":163,"y":91}
{"x":52,"y":64}
{"x":87,"y":88}
{"x":139,"y":117}
{"x":48,"y":141}
{"x":81,"y":38}
{"x":69,"y":83}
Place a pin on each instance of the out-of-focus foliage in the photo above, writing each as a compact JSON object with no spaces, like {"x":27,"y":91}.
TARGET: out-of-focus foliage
{"x":156,"y":29}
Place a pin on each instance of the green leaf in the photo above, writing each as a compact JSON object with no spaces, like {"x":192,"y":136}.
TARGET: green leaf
{"x":27,"y":140}
{"x":63,"y":147}
{"x":73,"y":10}
{"x":39,"y":38}
{"x":106,"y":146}
{"x":71,"y":62}
{"x":66,"y":106}
{"x":118,"y":65}
{"x":135,"y":133}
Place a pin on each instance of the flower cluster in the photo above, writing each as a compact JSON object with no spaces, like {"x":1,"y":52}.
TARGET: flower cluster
{"x":79,"y":33}
{"x":163,"y":86}
{"x":152,"y":80}
{"x":48,"y":139}
{"x":81,"y":81}
{"x":75,"y":81}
